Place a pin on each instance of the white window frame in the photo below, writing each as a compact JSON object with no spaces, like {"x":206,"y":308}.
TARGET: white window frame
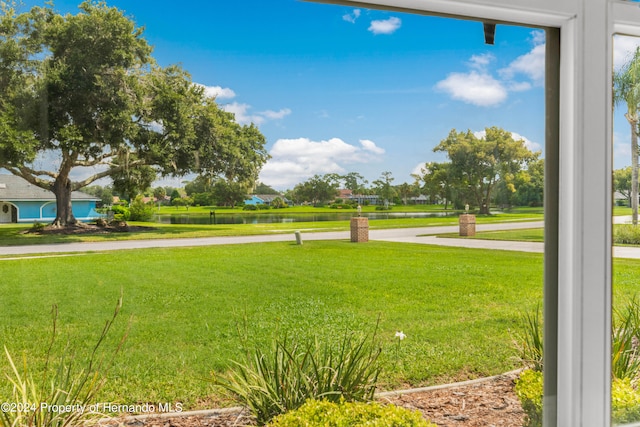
{"x":578,"y":244}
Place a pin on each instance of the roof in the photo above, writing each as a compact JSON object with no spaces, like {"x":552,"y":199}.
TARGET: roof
{"x":14,"y":188}
{"x":268,"y":197}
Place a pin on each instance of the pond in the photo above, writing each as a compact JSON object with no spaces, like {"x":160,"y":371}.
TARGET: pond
{"x":230,"y":218}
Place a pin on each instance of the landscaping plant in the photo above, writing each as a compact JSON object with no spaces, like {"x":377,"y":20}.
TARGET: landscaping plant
{"x":625,"y":360}
{"x":625,"y":399}
{"x":626,"y":234}
{"x":285,"y":377}
{"x":322,"y":413}
{"x":530,"y":344}
{"x":625,"y":366}
{"x":62,"y":394}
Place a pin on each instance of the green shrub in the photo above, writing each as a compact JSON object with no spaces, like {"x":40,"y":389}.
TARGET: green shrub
{"x":37,"y":226}
{"x":36,"y":396}
{"x":250,"y":208}
{"x":529,"y":390}
{"x":263,"y":207}
{"x":120,"y":213}
{"x":140,"y":211}
{"x":282,"y":379}
{"x":625,"y":399}
{"x":278,"y":203}
{"x":627,"y":234}
{"x":322,"y":413}
{"x":625,"y":402}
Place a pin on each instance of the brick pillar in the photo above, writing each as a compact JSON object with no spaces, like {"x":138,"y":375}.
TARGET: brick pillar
{"x":359,"y":229}
{"x":467,"y":225}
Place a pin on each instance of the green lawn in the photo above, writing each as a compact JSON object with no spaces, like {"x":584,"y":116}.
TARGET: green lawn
{"x":524,"y":235}
{"x":458,"y":308}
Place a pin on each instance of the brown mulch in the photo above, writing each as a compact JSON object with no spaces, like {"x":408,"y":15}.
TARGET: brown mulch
{"x":490,"y":403}
{"x":83,"y":228}
{"x":486,"y":404}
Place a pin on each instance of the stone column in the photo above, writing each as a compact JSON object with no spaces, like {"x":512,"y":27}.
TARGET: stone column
{"x":359,"y":229}
{"x":467,"y":225}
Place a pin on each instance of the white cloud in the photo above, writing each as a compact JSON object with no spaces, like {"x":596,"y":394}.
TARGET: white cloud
{"x":241,"y":112}
{"x":244,"y":117}
{"x":352,"y":17}
{"x":474,"y":88}
{"x":623,"y":49}
{"x":217,"y":92}
{"x":296,"y":160}
{"x":480,"y":87}
{"x":533,"y":146}
{"x":387,"y":26}
{"x":530,"y":64}
{"x":276,"y":115}
{"x":481,"y":62}
{"x":419,"y":169}
{"x":369,"y":145}
{"x":519,"y":86}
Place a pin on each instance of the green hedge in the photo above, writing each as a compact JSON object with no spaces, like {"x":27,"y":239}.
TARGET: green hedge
{"x":321,"y":413}
{"x":626,"y":234}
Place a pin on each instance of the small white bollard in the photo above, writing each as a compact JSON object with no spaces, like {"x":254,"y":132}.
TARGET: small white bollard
{"x":298,"y":237}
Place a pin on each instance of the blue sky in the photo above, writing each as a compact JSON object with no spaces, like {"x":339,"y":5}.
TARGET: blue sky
{"x":339,"y":89}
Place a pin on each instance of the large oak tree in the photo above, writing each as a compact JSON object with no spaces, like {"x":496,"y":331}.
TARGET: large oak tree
{"x":83,"y":92}
{"x":478,"y":163}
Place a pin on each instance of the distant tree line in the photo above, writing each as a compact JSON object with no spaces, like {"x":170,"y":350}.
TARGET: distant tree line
{"x":481,"y":171}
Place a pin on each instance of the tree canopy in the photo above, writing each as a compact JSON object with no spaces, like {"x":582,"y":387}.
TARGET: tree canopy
{"x":477,"y":163}
{"x":317,"y":189}
{"x":83,"y":92}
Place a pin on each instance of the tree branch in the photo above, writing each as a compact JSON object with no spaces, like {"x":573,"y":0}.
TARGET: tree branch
{"x":29,"y":175}
{"x":36,"y":173}
{"x":80,"y":184}
{"x":97,"y":161}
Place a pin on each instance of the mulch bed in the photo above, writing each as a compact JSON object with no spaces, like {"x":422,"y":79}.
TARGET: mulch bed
{"x":82,"y":228}
{"x":490,"y":403}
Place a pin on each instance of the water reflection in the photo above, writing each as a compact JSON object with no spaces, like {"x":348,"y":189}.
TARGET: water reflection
{"x":227,"y":218}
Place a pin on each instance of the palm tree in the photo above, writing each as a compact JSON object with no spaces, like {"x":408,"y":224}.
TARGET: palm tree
{"x":626,"y":88}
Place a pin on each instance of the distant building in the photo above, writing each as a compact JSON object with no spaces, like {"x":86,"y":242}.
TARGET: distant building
{"x":361,"y":199}
{"x":21,"y":201}
{"x":266,"y":199}
{"x":420,"y":200}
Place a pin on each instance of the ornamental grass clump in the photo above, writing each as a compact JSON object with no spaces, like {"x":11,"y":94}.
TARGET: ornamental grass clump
{"x":625,"y":351}
{"x":281,"y":379}
{"x":529,"y":344}
{"x":61,"y":394}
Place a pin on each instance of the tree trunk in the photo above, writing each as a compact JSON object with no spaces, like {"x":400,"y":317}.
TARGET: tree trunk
{"x":634,"y":171}
{"x":64,"y":213}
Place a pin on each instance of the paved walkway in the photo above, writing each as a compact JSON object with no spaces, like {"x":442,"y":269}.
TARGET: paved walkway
{"x":409,"y":235}
{"x":422,"y":235}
